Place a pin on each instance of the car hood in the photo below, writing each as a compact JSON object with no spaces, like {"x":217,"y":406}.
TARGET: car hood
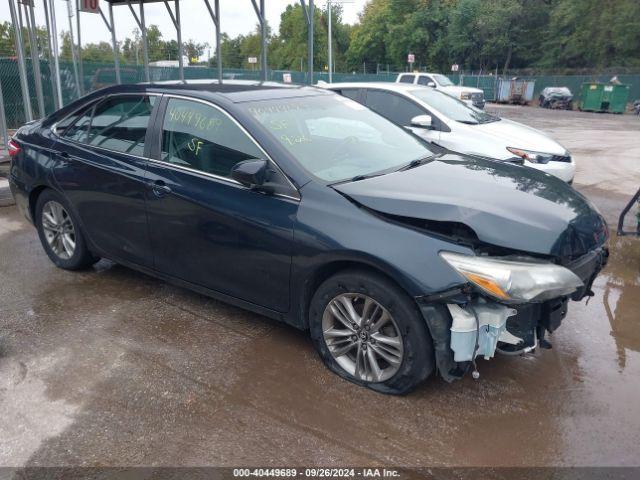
{"x":516,"y":135}
{"x":505,"y":205}
{"x":457,"y":90}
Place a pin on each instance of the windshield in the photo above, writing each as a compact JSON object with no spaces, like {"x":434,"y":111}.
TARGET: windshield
{"x":452,"y":107}
{"x":335,"y":138}
{"x":443,"y":80}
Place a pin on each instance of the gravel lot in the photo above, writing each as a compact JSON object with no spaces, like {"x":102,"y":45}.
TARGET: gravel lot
{"x":111,"y":367}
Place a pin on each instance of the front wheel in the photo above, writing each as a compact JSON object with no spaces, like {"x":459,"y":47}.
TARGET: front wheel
{"x":60,"y":233}
{"x":370,"y":332}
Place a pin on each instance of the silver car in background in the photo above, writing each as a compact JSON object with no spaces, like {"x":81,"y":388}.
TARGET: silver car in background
{"x":441,"y":119}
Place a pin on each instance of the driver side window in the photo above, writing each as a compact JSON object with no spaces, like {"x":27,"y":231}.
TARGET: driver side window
{"x":204,"y":138}
{"x":424,"y":80}
{"x":394,"y":107}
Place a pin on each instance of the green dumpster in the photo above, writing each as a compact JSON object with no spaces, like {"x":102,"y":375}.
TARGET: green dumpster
{"x":603,"y":97}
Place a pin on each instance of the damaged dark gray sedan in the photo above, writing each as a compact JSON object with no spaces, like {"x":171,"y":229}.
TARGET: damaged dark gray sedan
{"x":307,"y":207}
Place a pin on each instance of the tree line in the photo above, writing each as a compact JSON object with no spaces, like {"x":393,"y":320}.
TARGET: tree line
{"x":478,"y":35}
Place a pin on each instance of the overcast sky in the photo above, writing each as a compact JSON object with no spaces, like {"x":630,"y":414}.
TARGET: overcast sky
{"x":237,"y":16}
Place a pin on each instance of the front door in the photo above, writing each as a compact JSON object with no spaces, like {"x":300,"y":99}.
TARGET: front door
{"x":401,"y":110}
{"x":100,"y":167}
{"x":205,"y":227}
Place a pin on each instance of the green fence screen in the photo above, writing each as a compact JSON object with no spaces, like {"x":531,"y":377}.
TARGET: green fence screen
{"x":96,"y":75}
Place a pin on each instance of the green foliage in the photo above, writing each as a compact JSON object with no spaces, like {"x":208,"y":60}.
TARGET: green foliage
{"x":476,"y":34}
{"x":502,"y":34}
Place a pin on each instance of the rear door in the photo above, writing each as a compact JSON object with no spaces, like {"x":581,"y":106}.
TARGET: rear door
{"x":101,"y":160}
{"x":205,"y":227}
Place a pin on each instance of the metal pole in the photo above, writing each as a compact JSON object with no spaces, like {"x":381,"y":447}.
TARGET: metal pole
{"x":35,"y":57}
{"x":73,"y":49}
{"x":52,"y":75}
{"x":179,"y":34}
{"x":145,"y":48}
{"x":55,"y":54}
{"x":22,"y":68}
{"x":3,"y":121}
{"x":330,"y":43}
{"x":215,"y":16}
{"x":216,"y":5}
{"x":263,"y":34}
{"x":310,"y":40}
{"x":114,"y":44}
{"x":80,"y":68}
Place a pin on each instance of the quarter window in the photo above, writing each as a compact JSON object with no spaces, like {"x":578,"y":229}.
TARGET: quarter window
{"x":201,"y":137}
{"x":394,"y":107}
{"x":76,"y":126}
{"x":117,"y":123}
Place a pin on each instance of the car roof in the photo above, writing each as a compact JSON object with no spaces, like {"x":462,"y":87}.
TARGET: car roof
{"x":234,"y":90}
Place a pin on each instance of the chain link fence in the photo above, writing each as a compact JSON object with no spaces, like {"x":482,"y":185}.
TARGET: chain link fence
{"x":99,"y":75}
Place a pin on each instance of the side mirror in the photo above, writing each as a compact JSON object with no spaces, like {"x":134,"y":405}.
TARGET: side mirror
{"x":431,"y":84}
{"x":422,"y":121}
{"x":252,"y":173}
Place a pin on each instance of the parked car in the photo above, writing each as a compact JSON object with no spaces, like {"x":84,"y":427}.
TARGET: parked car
{"x":307,"y":207}
{"x":448,"y":122}
{"x":556,"y":98}
{"x":469,"y":95}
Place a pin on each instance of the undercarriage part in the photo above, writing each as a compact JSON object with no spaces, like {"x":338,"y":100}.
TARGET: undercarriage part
{"x":439,"y":323}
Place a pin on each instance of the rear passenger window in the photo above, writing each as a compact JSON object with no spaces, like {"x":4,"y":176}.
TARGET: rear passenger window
{"x":204,"y":138}
{"x":353,"y":94}
{"x":75,"y":127}
{"x":394,"y":107}
{"x":120,"y":124}
{"x":406,"y":79}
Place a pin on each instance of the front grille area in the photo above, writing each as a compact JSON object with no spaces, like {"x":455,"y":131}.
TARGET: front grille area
{"x":561,"y":158}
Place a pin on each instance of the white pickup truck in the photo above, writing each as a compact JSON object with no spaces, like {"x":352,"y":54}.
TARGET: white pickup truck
{"x":469,"y":95}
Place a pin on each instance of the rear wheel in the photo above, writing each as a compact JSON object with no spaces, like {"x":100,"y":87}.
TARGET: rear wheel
{"x":370,"y":332}
{"x":60,"y":233}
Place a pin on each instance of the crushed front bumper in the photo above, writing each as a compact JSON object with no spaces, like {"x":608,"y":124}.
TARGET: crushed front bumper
{"x":519,"y":327}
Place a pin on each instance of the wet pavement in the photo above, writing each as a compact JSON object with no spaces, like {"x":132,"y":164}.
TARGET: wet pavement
{"x":112,"y":367}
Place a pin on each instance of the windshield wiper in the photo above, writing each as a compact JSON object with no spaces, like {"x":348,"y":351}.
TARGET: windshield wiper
{"x":415,"y":163}
{"x":469,"y":122}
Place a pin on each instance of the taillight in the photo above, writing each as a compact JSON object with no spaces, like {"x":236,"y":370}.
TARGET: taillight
{"x":13,"y":147}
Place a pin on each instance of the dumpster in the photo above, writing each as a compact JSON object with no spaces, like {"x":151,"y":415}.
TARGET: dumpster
{"x":603,"y":97}
{"x":515,"y":90}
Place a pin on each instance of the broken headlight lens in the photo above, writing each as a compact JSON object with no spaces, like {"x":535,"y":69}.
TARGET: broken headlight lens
{"x":531,"y":156}
{"x":514,"y":281}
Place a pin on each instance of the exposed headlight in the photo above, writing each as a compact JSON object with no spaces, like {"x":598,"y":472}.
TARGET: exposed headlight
{"x":514,"y":281}
{"x":465,"y":96}
{"x":534,"y":157}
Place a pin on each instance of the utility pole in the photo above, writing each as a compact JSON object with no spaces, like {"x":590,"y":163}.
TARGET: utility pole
{"x":73,"y":48}
{"x":330,"y":42}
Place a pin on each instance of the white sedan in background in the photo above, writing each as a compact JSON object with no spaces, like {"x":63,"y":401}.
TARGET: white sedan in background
{"x":452,"y":124}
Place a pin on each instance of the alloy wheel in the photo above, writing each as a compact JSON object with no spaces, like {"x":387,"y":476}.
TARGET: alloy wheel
{"x":362,"y":337}
{"x":58,"y":229}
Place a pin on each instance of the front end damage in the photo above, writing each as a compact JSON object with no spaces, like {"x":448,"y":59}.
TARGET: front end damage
{"x":523,"y":243}
{"x":466,"y":322}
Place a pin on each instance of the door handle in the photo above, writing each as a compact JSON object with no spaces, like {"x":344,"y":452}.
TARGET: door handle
{"x":160,"y":189}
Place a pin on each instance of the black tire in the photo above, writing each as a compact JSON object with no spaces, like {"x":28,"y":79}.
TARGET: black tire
{"x":82,"y":257}
{"x":418,"y":358}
